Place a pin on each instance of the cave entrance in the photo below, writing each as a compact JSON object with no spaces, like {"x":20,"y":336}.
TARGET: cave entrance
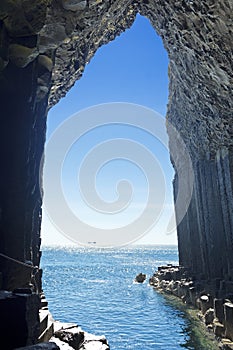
{"x":131,"y":69}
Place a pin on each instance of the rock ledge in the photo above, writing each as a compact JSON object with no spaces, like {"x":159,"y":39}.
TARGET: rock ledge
{"x":214,"y":304}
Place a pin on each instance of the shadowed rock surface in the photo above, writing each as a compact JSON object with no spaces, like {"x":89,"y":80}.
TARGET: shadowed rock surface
{"x":44,"y":47}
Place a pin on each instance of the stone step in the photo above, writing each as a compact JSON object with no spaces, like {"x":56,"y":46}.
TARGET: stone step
{"x":43,"y":303}
{"x":47,"y":334}
{"x":43,"y":316}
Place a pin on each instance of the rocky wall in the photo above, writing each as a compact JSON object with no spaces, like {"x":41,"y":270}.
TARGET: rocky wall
{"x":23,"y":126}
{"x":200,"y":47}
{"x":44,"y":47}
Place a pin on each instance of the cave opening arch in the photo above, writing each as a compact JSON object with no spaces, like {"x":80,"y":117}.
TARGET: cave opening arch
{"x":41,"y":60}
{"x":132,"y":69}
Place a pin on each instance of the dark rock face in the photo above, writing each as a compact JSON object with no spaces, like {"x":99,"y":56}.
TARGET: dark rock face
{"x":44,"y":47}
{"x":19,"y":322}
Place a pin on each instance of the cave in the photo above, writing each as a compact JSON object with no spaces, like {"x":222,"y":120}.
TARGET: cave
{"x":44,"y":48}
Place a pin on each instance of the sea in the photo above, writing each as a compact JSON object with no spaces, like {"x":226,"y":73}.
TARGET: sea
{"x":95,"y":288}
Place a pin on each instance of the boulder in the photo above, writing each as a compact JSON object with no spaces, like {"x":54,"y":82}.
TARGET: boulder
{"x":140,"y":278}
{"x":73,"y":336}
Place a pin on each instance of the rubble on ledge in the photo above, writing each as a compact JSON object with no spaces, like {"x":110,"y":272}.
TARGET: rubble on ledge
{"x":69,"y":336}
{"x":56,"y":335}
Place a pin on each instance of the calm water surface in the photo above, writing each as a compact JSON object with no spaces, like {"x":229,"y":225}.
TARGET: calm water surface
{"x":94,"y":288}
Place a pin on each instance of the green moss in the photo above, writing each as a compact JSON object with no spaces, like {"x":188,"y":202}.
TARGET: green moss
{"x":200,"y":338}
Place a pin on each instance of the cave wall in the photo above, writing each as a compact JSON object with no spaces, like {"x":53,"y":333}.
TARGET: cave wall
{"x":44,"y":47}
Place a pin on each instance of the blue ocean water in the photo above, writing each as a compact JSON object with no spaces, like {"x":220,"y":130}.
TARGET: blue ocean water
{"x":95,"y":288}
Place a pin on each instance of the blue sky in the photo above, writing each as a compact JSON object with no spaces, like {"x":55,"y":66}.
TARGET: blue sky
{"x":134,"y":69}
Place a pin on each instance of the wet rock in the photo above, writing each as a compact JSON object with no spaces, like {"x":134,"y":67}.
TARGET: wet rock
{"x":140,"y":278}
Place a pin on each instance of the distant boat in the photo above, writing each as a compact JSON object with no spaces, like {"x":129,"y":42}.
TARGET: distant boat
{"x":91,"y":242}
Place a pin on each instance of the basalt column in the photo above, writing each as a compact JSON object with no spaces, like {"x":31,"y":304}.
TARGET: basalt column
{"x":205,"y":233}
{"x":198,"y":38}
{"x":24,"y":87}
{"x":23,"y":126}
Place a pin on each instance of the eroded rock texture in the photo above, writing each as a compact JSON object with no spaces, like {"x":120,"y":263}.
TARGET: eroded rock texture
{"x":44,"y":47}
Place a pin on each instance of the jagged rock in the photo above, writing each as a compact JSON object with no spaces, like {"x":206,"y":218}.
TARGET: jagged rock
{"x":51,"y":36}
{"x":140,"y":278}
{"x":73,"y":336}
{"x":93,"y":342}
